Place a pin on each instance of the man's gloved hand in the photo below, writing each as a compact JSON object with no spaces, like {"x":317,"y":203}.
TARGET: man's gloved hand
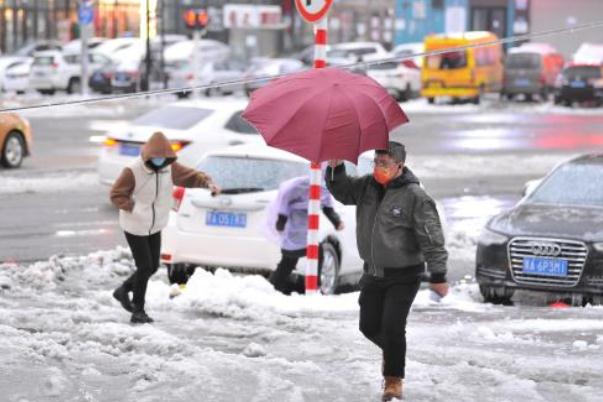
{"x":281,"y":222}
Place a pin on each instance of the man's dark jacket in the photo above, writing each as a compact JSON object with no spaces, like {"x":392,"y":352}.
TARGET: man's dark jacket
{"x":398,"y":226}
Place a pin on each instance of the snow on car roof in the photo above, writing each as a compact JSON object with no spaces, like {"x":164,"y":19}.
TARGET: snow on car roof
{"x":259,"y":151}
{"x":589,"y":53}
{"x":216,"y":104}
{"x":356,"y":45}
{"x":464,"y":35}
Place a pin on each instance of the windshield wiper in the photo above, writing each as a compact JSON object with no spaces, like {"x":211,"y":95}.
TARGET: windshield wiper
{"x":241,"y":190}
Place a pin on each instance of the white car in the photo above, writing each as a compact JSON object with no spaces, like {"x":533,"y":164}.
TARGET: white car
{"x":208,"y":50}
{"x":410,"y":49}
{"x":53,"y":70}
{"x":229,"y":230}
{"x":209,"y":73}
{"x":16,"y":77}
{"x":112,"y":47}
{"x":193,"y":127}
{"x":401,"y":79}
{"x":354,"y":52}
{"x":6,"y":63}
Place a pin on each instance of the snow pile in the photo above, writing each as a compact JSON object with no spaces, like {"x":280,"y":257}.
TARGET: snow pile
{"x":47,"y":183}
{"x":97,"y":268}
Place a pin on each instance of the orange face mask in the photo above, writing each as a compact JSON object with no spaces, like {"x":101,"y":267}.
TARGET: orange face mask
{"x":383,"y":175}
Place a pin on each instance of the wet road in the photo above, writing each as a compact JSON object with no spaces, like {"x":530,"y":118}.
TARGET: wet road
{"x":475,"y":159}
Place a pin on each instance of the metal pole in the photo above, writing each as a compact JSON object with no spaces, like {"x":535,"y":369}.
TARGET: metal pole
{"x":162,"y":57}
{"x":84,"y":34}
{"x":313,"y":248}
{"x":195,"y":58}
{"x":147,"y":73}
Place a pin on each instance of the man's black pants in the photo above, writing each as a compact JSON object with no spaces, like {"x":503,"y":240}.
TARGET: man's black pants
{"x":146,"y":252}
{"x":384,"y":307}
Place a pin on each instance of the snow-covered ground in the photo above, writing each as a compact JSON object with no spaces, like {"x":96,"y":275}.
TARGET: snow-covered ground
{"x":233,"y":338}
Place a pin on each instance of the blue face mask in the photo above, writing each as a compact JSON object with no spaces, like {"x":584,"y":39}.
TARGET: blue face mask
{"x":157,"y":162}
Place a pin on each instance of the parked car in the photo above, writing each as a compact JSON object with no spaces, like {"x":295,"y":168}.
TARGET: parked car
{"x":29,"y":49}
{"x":588,"y":53}
{"x":530,"y":70}
{"x":201,"y":228}
{"x":355,"y":52}
{"x":264,"y":70}
{"x":112,"y":48}
{"x":193,"y":127}
{"x":6,"y":63}
{"x":580,"y":83}
{"x":16,"y":77}
{"x":75,"y":46}
{"x":551,"y":241}
{"x":410,"y":49}
{"x":401,"y":79}
{"x":209,"y":73}
{"x":15,"y":140}
{"x":52,"y":70}
{"x":209,"y":50}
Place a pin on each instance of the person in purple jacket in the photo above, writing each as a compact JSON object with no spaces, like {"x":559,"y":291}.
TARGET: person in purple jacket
{"x":291,"y":211}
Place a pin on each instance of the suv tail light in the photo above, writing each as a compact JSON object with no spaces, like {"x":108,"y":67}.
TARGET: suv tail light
{"x":409,"y":63}
{"x":178,"y":195}
{"x":110,"y":142}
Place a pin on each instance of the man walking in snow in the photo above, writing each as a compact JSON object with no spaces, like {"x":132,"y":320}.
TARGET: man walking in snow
{"x":398,"y":231}
{"x":143,"y":195}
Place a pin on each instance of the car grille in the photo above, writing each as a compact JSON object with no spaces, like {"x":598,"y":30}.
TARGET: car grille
{"x":575,"y":252}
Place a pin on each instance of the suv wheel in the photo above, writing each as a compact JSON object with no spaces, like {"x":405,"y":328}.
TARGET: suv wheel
{"x":496,"y":294}
{"x":13,"y":151}
{"x":328,"y":271}
{"x":75,"y":86}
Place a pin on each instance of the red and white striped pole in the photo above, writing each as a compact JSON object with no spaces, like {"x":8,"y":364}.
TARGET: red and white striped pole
{"x":312,"y":250}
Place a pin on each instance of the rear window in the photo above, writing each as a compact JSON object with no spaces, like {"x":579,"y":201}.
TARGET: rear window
{"x":582,"y":72}
{"x":523,"y":60}
{"x":251,"y":174}
{"x":174,"y":117}
{"x":43,"y":61}
{"x":240,"y":125}
{"x":447,"y":61}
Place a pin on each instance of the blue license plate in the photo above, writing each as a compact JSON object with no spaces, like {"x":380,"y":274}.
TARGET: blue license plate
{"x":522,"y":82}
{"x":578,"y":84}
{"x":226,"y":219}
{"x":129,"y":149}
{"x":545,"y":266}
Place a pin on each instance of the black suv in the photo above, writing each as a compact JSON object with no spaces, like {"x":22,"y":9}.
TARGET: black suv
{"x":551,"y":241}
{"x":580,"y":83}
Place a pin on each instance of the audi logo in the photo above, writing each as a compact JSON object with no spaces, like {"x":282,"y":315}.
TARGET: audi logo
{"x":545,"y":249}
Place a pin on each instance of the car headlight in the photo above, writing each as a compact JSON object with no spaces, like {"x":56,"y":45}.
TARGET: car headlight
{"x":598,"y":247}
{"x":489,"y":238}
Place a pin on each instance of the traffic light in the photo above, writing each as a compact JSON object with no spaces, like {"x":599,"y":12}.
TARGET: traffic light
{"x":196,"y":18}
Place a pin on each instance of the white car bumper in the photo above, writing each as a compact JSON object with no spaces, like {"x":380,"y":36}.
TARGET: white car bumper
{"x":242,"y":253}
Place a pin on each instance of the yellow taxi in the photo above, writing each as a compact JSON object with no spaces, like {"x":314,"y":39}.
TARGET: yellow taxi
{"x":15,"y":140}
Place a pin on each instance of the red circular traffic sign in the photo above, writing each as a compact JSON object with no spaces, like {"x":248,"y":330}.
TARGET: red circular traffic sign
{"x":313,"y":10}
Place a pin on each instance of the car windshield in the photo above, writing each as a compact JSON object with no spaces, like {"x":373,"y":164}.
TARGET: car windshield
{"x":174,"y":117}
{"x":583,"y":72}
{"x":578,"y":183}
{"x":523,"y":60}
{"x":447,"y":61}
{"x":250,"y":174}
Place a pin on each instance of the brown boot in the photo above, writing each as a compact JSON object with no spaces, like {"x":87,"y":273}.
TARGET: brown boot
{"x":393,"y":388}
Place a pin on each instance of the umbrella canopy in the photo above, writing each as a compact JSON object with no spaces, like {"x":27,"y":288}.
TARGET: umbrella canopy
{"x":324,"y":114}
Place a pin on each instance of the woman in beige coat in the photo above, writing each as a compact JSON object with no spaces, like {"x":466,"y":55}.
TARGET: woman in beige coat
{"x":143,"y":195}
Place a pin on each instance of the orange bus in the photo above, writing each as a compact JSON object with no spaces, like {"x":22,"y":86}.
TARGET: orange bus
{"x":462,"y":74}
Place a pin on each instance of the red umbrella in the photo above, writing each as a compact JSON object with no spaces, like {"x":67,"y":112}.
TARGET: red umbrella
{"x":324,"y":114}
